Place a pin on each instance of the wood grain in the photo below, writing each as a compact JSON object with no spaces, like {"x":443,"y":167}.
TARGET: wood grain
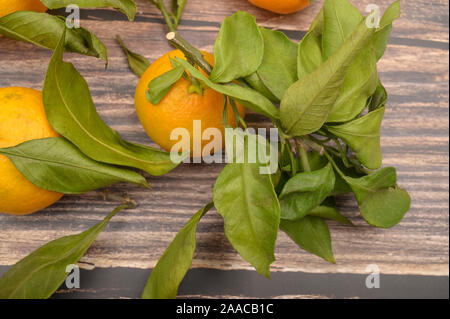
{"x":415,"y":140}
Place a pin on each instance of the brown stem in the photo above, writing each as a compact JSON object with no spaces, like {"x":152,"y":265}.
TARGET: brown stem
{"x":193,"y":55}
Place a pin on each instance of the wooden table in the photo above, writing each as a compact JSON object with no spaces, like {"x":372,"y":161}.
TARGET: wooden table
{"x":412,"y":257}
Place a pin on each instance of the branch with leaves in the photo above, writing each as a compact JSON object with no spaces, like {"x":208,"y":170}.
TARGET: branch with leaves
{"x":331,"y":105}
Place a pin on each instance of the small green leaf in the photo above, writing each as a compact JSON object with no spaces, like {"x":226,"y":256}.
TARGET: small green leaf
{"x":379,"y":98}
{"x":306,"y":191}
{"x":45,"y":30}
{"x":127,"y":7}
{"x":382,"y":35}
{"x":381,"y":202}
{"x":307,"y":103}
{"x":363,"y":136}
{"x":364,"y":186}
{"x":246,"y":96}
{"x":311,"y":234}
{"x":38,"y":275}
{"x":170,"y":270}
{"x":278,"y":70}
{"x":71,"y":112}
{"x":328,"y":210}
{"x":239,"y":48}
{"x":138,"y":64}
{"x":161,"y":85}
{"x":385,"y":208}
{"x":247,"y":201}
{"x":57,"y":165}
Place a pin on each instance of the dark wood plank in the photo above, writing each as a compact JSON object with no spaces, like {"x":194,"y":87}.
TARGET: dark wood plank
{"x":415,"y":140}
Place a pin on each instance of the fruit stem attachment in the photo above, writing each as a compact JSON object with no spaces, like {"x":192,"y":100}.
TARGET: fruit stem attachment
{"x":193,"y":55}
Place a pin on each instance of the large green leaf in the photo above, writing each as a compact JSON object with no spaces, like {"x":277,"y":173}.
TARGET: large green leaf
{"x":247,"y":201}
{"x":307,"y":103}
{"x":239,"y":48}
{"x":138,"y":64}
{"x":45,"y":30}
{"x":57,"y":165}
{"x":278,"y":70}
{"x":305,"y":191}
{"x":312,"y":234}
{"x":247,"y":96}
{"x":38,"y":275}
{"x":71,"y":112}
{"x":175,"y":262}
{"x":310,"y":48}
{"x":341,"y":19}
{"x":385,"y":208}
{"x":363,"y":136}
{"x":127,"y":7}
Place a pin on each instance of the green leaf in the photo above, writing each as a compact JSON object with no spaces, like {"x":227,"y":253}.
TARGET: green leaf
{"x":239,"y":48}
{"x":45,"y":30}
{"x":379,"y":98}
{"x":328,"y":210}
{"x":341,"y":18}
{"x":310,"y":48}
{"x":381,"y":202}
{"x":127,"y":7}
{"x":38,"y":275}
{"x":307,"y":103}
{"x":363,"y":136}
{"x":161,"y":85}
{"x":305,"y":191}
{"x":364,"y":186}
{"x":311,"y":234}
{"x":71,"y":112}
{"x":175,"y":262}
{"x":359,"y":84}
{"x":386,"y":207}
{"x":278,"y":70}
{"x":382,"y":35}
{"x":138,"y":64}
{"x":257,"y":84}
{"x":247,"y":201}
{"x":57,"y":165}
{"x":246,"y":96}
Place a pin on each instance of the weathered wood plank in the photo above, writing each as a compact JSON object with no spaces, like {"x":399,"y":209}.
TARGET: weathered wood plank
{"x":415,"y":140}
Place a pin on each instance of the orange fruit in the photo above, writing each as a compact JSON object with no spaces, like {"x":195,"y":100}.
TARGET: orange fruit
{"x":10,"y":6}
{"x":22,"y":118}
{"x":281,"y":6}
{"x":179,"y":108}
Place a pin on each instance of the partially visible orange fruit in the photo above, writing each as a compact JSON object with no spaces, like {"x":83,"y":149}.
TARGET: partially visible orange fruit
{"x":22,"y":118}
{"x":281,"y":6}
{"x":10,"y":6}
